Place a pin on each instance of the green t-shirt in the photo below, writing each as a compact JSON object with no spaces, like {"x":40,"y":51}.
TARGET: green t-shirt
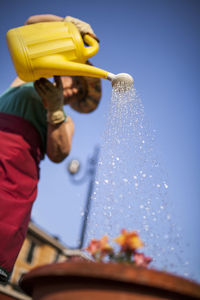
{"x":23,"y":101}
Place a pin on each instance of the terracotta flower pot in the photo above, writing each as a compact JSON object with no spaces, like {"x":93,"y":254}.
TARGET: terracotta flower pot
{"x":87,"y":280}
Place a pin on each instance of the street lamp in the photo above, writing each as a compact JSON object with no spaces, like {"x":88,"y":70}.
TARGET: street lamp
{"x":90,"y":172}
{"x":74,"y":166}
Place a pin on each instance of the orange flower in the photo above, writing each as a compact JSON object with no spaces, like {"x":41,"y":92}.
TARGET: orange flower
{"x":129,"y":241}
{"x":105,"y":247}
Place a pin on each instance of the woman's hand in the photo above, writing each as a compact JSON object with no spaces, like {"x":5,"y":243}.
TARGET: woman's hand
{"x":51,"y":94}
{"x":52,"y":97}
{"x":82,"y":26}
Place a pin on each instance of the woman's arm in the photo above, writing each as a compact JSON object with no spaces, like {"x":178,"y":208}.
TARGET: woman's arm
{"x":59,"y":140}
{"x":82,"y":26}
{"x":60,"y":129}
{"x":17,"y":82}
{"x":43,"y":18}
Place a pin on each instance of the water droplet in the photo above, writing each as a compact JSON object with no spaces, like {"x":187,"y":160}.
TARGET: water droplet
{"x":125,"y":179}
{"x":165,"y":185}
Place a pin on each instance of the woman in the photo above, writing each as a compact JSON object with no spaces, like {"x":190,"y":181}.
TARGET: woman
{"x":32,"y":124}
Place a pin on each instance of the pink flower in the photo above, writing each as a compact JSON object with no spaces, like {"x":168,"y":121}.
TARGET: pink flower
{"x":99,"y":248}
{"x":141,"y":260}
{"x":93,"y":247}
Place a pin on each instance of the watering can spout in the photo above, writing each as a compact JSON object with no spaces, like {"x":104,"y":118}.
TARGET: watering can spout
{"x":69,"y":68}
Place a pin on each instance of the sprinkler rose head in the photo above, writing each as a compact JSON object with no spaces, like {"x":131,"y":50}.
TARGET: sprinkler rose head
{"x":124,"y":78}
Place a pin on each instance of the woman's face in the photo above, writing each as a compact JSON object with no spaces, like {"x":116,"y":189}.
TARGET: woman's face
{"x":74,"y":88}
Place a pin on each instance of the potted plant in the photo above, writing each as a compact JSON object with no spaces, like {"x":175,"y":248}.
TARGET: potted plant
{"x":112,"y":275}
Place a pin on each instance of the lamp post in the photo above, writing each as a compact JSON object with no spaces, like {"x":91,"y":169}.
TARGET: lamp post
{"x":90,"y":172}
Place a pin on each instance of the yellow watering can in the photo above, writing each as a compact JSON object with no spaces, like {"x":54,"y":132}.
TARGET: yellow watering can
{"x":53,"y":48}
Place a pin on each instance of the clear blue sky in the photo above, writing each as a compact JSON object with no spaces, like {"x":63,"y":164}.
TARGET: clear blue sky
{"x":157,"y":42}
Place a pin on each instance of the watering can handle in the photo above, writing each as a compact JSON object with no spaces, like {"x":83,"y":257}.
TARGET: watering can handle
{"x":94,"y":46}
